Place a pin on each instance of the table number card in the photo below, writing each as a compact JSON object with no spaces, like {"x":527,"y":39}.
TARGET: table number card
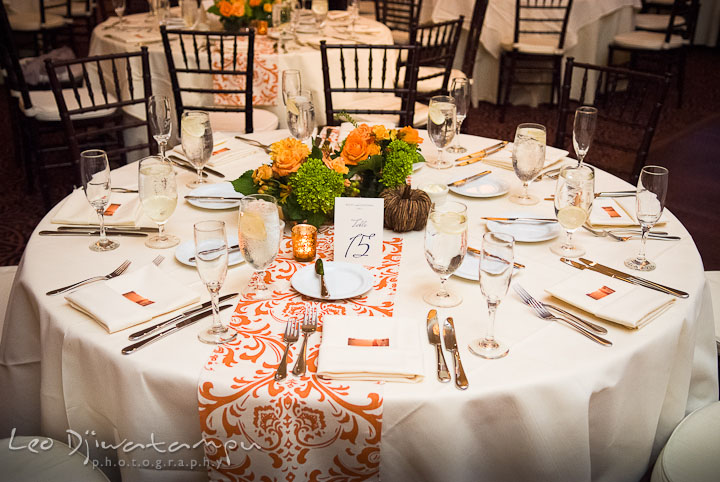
{"x":359,"y":230}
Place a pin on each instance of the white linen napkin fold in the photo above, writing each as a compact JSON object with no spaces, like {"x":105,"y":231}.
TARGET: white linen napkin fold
{"x":226,"y":149}
{"x":132,"y":298}
{"x":347,"y":351}
{"x":607,"y":211}
{"x":503,"y":158}
{"x":611,"y":299}
{"x":77,"y":210}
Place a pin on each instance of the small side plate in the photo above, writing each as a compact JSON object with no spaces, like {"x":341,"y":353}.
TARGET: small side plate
{"x":220,"y":189}
{"x":186,"y":250}
{"x":487,"y":186}
{"x":344,"y":280}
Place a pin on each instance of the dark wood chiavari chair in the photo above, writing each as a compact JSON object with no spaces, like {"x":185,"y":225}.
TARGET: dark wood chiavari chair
{"x":400,"y":16}
{"x":437,"y":44}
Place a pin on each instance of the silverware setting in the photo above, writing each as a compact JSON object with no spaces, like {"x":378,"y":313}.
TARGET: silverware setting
{"x":212,"y":198}
{"x":433,"y":332}
{"x":461,"y":380}
{"x":588,"y":324}
{"x":604,"y":194}
{"x":231,"y":249}
{"x":481,"y":154}
{"x":521,"y":220}
{"x":290,"y":336}
{"x":116,"y":272}
{"x":320,"y":271}
{"x":79,"y":232}
{"x":109,"y":229}
{"x":178,"y":161}
{"x":478,"y":252}
{"x":309,"y":325}
{"x":542,"y":312}
{"x":255,"y":143}
{"x":628,"y":233}
{"x":123,"y":190}
{"x":460,"y":182}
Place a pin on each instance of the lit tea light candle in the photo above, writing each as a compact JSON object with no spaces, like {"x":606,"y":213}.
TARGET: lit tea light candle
{"x":304,"y":242}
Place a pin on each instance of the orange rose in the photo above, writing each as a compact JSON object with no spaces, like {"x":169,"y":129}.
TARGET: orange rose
{"x":355,"y":149}
{"x":380,"y":132}
{"x":238,"y":9}
{"x":336,"y":164}
{"x":226,"y":9}
{"x":255,"y":3}
{"x":287,"y":155}
{"x":268,"y":7}
{"x":409,"y":135}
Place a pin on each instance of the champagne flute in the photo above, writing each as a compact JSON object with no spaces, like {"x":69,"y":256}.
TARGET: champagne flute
{"x":197,"y":142}
{"x":445,"y":248}
{"x":291,"y":84}
{"x":649,"y":205}
{"x":211,"y":255}
{"x":583,"y":130}
{"x":300,"y":115}
{"x":95,"y":173}
{"x":496,"y":266}
{"x":190,"y":13}
{"x":574,"y":195}
{"x":528,"y":159}
{"x":441,"y":127}
{"x":260,"y":232}
{"x":320,"y":10}
{"x":158,"y":195}
{"x":160,"y":120}
{"x":119,"y":6}
{"x":460,"y":91}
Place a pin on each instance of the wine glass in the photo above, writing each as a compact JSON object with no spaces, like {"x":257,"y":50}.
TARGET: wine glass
{"x":95,"y":173}
{"x":320,"y":10}
{"x":190,"y":13}
{"x":460,"y":91}
{"x":211,"y":255}
{"x":119,"y":6}
{"x":496,"y":266}
{"x":300,"y":115}
{"x":445,"y":248}
{"x":197,"y":142}
{"x":528,"y":159}
{"x":291,"y":83}
{"x":583,"y":130}
{"x":259,"y":233}
{"x":158,"y":195}
{"x":441,"y":127}
{"x":353,"y":8}
{"x":649,"y":204}
{"x":160,"y":119}
{"x":574,"y":195}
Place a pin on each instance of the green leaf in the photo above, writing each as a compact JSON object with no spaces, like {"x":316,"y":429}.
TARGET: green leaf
{"x":316,"y":153}
{"x":373,"y":163}
{"x":244,"y":184}
{"x":316,"y":219}
{"x":292,"y":210}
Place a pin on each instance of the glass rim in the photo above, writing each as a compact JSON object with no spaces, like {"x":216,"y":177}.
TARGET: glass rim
{"x":260,"y":197}
{"x":582,"y":167}
{"x":442,"y":98}
{"x":93,"y":153}
{"x":586,"y":109}
{"x":531,"y":125}
{"x":499,"y":238}
{"x":208,"y":225}
{"x":189,"y":113}
{"x":446,"y":204}
{"x":655,"y":170}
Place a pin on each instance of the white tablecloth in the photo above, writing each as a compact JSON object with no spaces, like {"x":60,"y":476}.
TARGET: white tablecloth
{"x":557,"y":408}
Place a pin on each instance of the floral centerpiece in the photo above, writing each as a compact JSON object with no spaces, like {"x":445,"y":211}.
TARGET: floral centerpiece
{"x":235,"y":14}
{"x":306,"y":182}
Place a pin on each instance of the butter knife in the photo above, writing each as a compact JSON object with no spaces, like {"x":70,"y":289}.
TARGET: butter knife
{"x":109,"y":229}
{"x":320,"y":270}
{"x":481,"y":154}
{"x":185,"y":323}
{"x":231,"y":249}
{"x":433,"y":332}
{"x":91,"y":233}
{"x":460,"y":182}
{"x":206,"y":170}
{"x":212,"y":198}
{"x":478,"y":252}
{"x":193,"y":311}
{"x":521,"y":220}
{"x":608,"y":271}
{"x":451,"y":344}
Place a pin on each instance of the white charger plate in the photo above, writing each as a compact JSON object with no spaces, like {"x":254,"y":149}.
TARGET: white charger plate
{"x":222,"y":189}
{"x":526,"y":232}
{"x":486,"y":186}
{"x":469,"y":269}
{"x":343,"y":280}
{"x":186,"y":250}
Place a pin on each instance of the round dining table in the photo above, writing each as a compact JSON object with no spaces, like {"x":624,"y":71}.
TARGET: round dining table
{"x":558,"y":407}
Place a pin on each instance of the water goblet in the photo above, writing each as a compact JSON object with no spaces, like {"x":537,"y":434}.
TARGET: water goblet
{"x":574,"y":195}
{"x":353,"y":8}
{"x":495,"y":272}
{"x":160,"y":119}
{"x":584,"y":130}
{"x":119,"y":6}
{"x":441,"y":127}
{"x":291,"y":83}
{"x":260,"y":232}
{"x":528,"y":158}
{"x":190,"y":13}
{"x":95,"y":173}
{"x":211,"y":255}
{"x":320,"y":10}
{"x":300,"y":115}
{"x":197,"y":142}
{"x":158,"y":195}
{"x":445,"y":248}
{"x":649,"y":205}
{"x":460,"y":91}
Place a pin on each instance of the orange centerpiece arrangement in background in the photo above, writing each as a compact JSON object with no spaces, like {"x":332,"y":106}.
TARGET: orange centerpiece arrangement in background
{"x":236,"y":14}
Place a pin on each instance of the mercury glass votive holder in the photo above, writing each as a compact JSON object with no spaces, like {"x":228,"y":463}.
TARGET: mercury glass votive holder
{"x":304,"y":242}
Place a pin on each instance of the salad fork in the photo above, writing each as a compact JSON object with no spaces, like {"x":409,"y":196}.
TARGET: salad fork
{"x":117,"y":272}
{"x":290,"y":336}
{"x":309,"y":325}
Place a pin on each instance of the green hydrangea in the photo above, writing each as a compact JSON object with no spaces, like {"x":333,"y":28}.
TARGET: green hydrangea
{"x":398,"y":163}
{"x":316,"y":187}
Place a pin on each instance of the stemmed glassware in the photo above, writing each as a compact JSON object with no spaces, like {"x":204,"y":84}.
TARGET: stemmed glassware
{"x":649,"y":205}
{"x":260,"y":232}
{"x":158,"y":195}
{"x":441,"y":127}
{"x":95,"y":173}
{"x":353,"y":7}
{"x":300,"y":115}
{"x":197,"y":142}
{"x":119,"y":6}
{"x":460,"y":91}
{"x":319,"y":10}
{"x":211,"y":258}
{"x":574,"y":195}
{"x":496,"y":266}
{"x":445,"y":248}
{"x":291,"y":84}
{"x":190,"y":13}
{"x":584,"y":130}
{"x":160,"y":120}
{"x":528,"y":158}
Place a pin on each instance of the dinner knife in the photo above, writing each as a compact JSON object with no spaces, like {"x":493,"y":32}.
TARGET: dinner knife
{"x":192,"y":197}
{"x":604,"y":194}
{"x":231,"y":249}
{"x":477,"y":252}
{"x":634,"y":279}
{"x":521,"y":220}
{"x":460,"y":182}
{"x":136,"y":346}
{"x":205,"y":169}
{"x":109,"y":229}
{"x":461,"y":380}
{"x":433,"y":332}
{"x":91,"y":233}
{"x":476,"y":156}
{"x":203,"y":307}
{"x":187,"y":167}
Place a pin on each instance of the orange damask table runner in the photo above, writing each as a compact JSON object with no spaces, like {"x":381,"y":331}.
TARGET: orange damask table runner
{"x":301,"y":428}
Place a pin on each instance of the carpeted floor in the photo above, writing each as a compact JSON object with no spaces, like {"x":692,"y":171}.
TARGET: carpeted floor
{"x":687,"y":142}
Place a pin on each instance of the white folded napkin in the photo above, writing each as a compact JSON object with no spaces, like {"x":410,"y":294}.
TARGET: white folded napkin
{"x":226,"y":149}
{"x":503,"y":158}
{"x":609,"y":211}
{"x":137,"y":37}
{"x":347,"y":351}
{"x":611,"y":299}
{"x":132,"y":298}
{"x":123,"y":210}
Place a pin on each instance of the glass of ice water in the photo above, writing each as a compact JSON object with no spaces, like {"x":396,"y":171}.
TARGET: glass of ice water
{"x":197,"y":142}
{"x":158,"y":195}
{"x":574,"y":195}
{"x":445,"y":248}
{"x":528,"y":158}
{"x":441,"y":127}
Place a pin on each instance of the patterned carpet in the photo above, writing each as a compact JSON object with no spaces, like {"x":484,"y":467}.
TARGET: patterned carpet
{"x":687,"y":141}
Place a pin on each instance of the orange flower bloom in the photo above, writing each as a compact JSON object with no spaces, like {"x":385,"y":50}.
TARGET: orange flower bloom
{"x":409,"y":135}
{"x":380,"y":132}
{"x":336,"y":164}
{"x":267,"y":7}
{"x":287,"y":155}
{"x":226,"y":8}
{"x":238,"y":9}
{"x":255,"y":3}
{"x":355,"y":149}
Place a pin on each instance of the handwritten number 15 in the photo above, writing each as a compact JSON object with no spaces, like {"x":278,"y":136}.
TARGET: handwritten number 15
{"x":360,"y":241}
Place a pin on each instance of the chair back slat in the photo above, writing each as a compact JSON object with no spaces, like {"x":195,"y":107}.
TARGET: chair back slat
{"x":400,"y":15}
{"x":473,"y":37}
{"x":546,"y":18}
{"x":101,"y":80}
{"x":436,"y":47}
{"x":10,"y":61}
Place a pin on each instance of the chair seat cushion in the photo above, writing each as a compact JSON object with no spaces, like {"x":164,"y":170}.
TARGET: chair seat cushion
{"x":713,"y":278}
{"x":400,"y":37}
{"x":31,"y":21}
{"x":44,"y":108}
{"x":263,"y":121}
{"x":691,"y":453}
{"x":381,"y":101}
{"x":647,"y":41}
{"x":77,"y":9}
{"x":435,"y":83}
{"x":7,"y":276}
{"x":656,"y":21}
{"x":533,"y":48}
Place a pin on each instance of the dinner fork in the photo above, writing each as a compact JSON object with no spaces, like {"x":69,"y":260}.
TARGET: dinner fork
{"x":309,"y":325}
{"x":254,"y":143}
{"x":542,"y":312}
{"x":117,"y":272}
{"x":290,"y":336}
